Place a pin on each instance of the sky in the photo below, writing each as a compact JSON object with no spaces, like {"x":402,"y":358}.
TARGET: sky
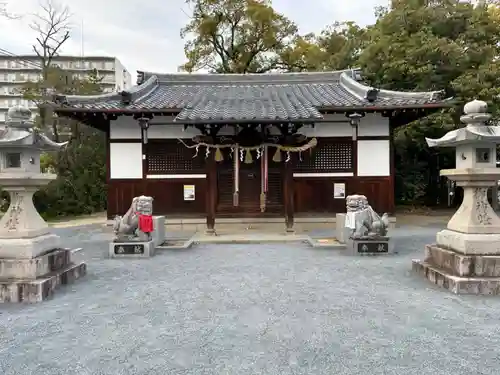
{"x":144,"y":34}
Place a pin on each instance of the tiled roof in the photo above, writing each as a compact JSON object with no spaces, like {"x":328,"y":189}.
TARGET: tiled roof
{"x":243,"y":97}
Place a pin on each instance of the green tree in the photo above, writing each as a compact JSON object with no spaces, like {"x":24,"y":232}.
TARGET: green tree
{"x":303,"y":53}
{"x":342,"y":44}
{"x":59,"y":81}
{"x":337,"y":47}
{"x":80,"y":187}
{"x":432,"y":45}
{"x":235,"y":36}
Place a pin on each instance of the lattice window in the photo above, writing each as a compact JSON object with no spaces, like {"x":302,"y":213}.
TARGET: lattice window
{"x":327,"y":156}
{"x":172,"y":157}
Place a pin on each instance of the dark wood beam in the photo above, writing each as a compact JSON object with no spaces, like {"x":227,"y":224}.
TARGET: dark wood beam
{"x":211,"y":192}
{"x":288,"y":193}
{"x":211,"y":171}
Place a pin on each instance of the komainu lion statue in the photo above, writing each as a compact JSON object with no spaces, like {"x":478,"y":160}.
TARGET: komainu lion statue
{"x":363,"y":220}
{"x":127,"y":227}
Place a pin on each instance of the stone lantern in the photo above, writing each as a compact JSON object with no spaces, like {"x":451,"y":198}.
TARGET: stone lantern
{"x":466,"y":256}
{"x":32,"y":262}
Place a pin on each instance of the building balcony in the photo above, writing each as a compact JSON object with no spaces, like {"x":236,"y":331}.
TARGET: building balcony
{"x":29,"y":68}
{"x":10,"y":81}
{"x":10,"y":94}
{"x":5,"y":107}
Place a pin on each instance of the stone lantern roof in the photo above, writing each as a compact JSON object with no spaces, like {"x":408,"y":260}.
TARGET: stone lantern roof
{"x":20,"y":132}
{"x":475,"y":117}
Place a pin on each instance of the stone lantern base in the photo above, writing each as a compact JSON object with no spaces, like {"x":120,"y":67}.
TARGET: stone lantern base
{"x":461,"y":261}
{"x":466,"y":256}
{"x":460,"y":273}
{"x":464,"y":263}
{"x":32,"y":260}
{"x":35,"y":279}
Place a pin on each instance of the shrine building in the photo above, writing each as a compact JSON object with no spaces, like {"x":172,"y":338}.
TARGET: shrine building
{"x":233,"y":145}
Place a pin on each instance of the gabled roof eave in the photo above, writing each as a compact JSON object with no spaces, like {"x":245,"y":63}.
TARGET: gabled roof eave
{"x":127,"y":97}
{"x":362,"y":91}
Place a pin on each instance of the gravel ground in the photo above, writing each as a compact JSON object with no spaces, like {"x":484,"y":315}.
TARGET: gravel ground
{"x":251,"y":309}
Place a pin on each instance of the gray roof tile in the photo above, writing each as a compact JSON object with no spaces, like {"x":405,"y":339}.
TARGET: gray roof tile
{"x":280,"y":96}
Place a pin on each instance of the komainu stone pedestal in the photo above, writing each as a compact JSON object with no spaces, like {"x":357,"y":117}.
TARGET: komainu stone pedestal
{"x":158,"y":234}
{"x":137,"y":233}
{"x":35,"y":279}
{"x":369,"y":246}
{"x":341,"y":232}
{"x":132,"y":249}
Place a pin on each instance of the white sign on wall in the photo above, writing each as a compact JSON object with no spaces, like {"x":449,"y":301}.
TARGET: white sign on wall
{"x":339,"y":190}
{"x":189,"y":193}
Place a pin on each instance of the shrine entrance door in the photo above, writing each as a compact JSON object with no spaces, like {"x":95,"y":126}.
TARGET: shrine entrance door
{"x":250,"y":180}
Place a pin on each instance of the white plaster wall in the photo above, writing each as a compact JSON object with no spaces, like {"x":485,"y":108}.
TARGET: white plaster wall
{"x":125,"y":160}
{"x":125,"y":127}
{"x":373,"y":124}
{"x":171,"y":132}
{"x":374,"y":158}
{"x":326,"y":129}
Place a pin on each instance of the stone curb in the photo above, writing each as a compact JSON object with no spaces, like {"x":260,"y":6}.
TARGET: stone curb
{"x":316,"y":245}
{"x":221,"y":241}
{"x":186,"y":245}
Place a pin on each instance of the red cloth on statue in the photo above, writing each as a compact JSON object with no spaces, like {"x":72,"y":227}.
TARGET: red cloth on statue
{"x":146,"y":223}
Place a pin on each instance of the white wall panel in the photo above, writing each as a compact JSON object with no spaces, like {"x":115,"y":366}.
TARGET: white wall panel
{"x":373,"y":124}
{"x":374,"y":158}
{"x":124,"y":127}
{"x":125,"y":160}
{"x":171,"y":132}
{"x":328,"y":129}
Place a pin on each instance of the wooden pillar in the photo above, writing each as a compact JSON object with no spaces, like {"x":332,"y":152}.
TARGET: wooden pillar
{"x":111,"y":208}
{"x":143,"y":123}
{"x":391,"y":208}
{"x":288,"y":194}
{"x":211,"y":192}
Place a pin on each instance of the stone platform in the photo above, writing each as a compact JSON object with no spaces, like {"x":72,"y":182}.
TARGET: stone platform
{"x":460,"y":273}
{"x":34,"y":280}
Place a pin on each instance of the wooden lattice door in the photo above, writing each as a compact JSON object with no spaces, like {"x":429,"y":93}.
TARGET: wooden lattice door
{"x":172,"y":157}
{"x":328,"y":156}
{"x":250,"y":179}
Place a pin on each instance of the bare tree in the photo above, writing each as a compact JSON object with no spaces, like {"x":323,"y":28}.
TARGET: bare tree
{"x":52,"y":24}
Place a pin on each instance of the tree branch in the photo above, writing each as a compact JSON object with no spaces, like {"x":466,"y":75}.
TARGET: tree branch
{"x":4,"y":12}
{"x":52,"y":25}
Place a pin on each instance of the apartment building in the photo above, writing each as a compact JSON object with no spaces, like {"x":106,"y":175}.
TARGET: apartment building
{"x":15,"y":71}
